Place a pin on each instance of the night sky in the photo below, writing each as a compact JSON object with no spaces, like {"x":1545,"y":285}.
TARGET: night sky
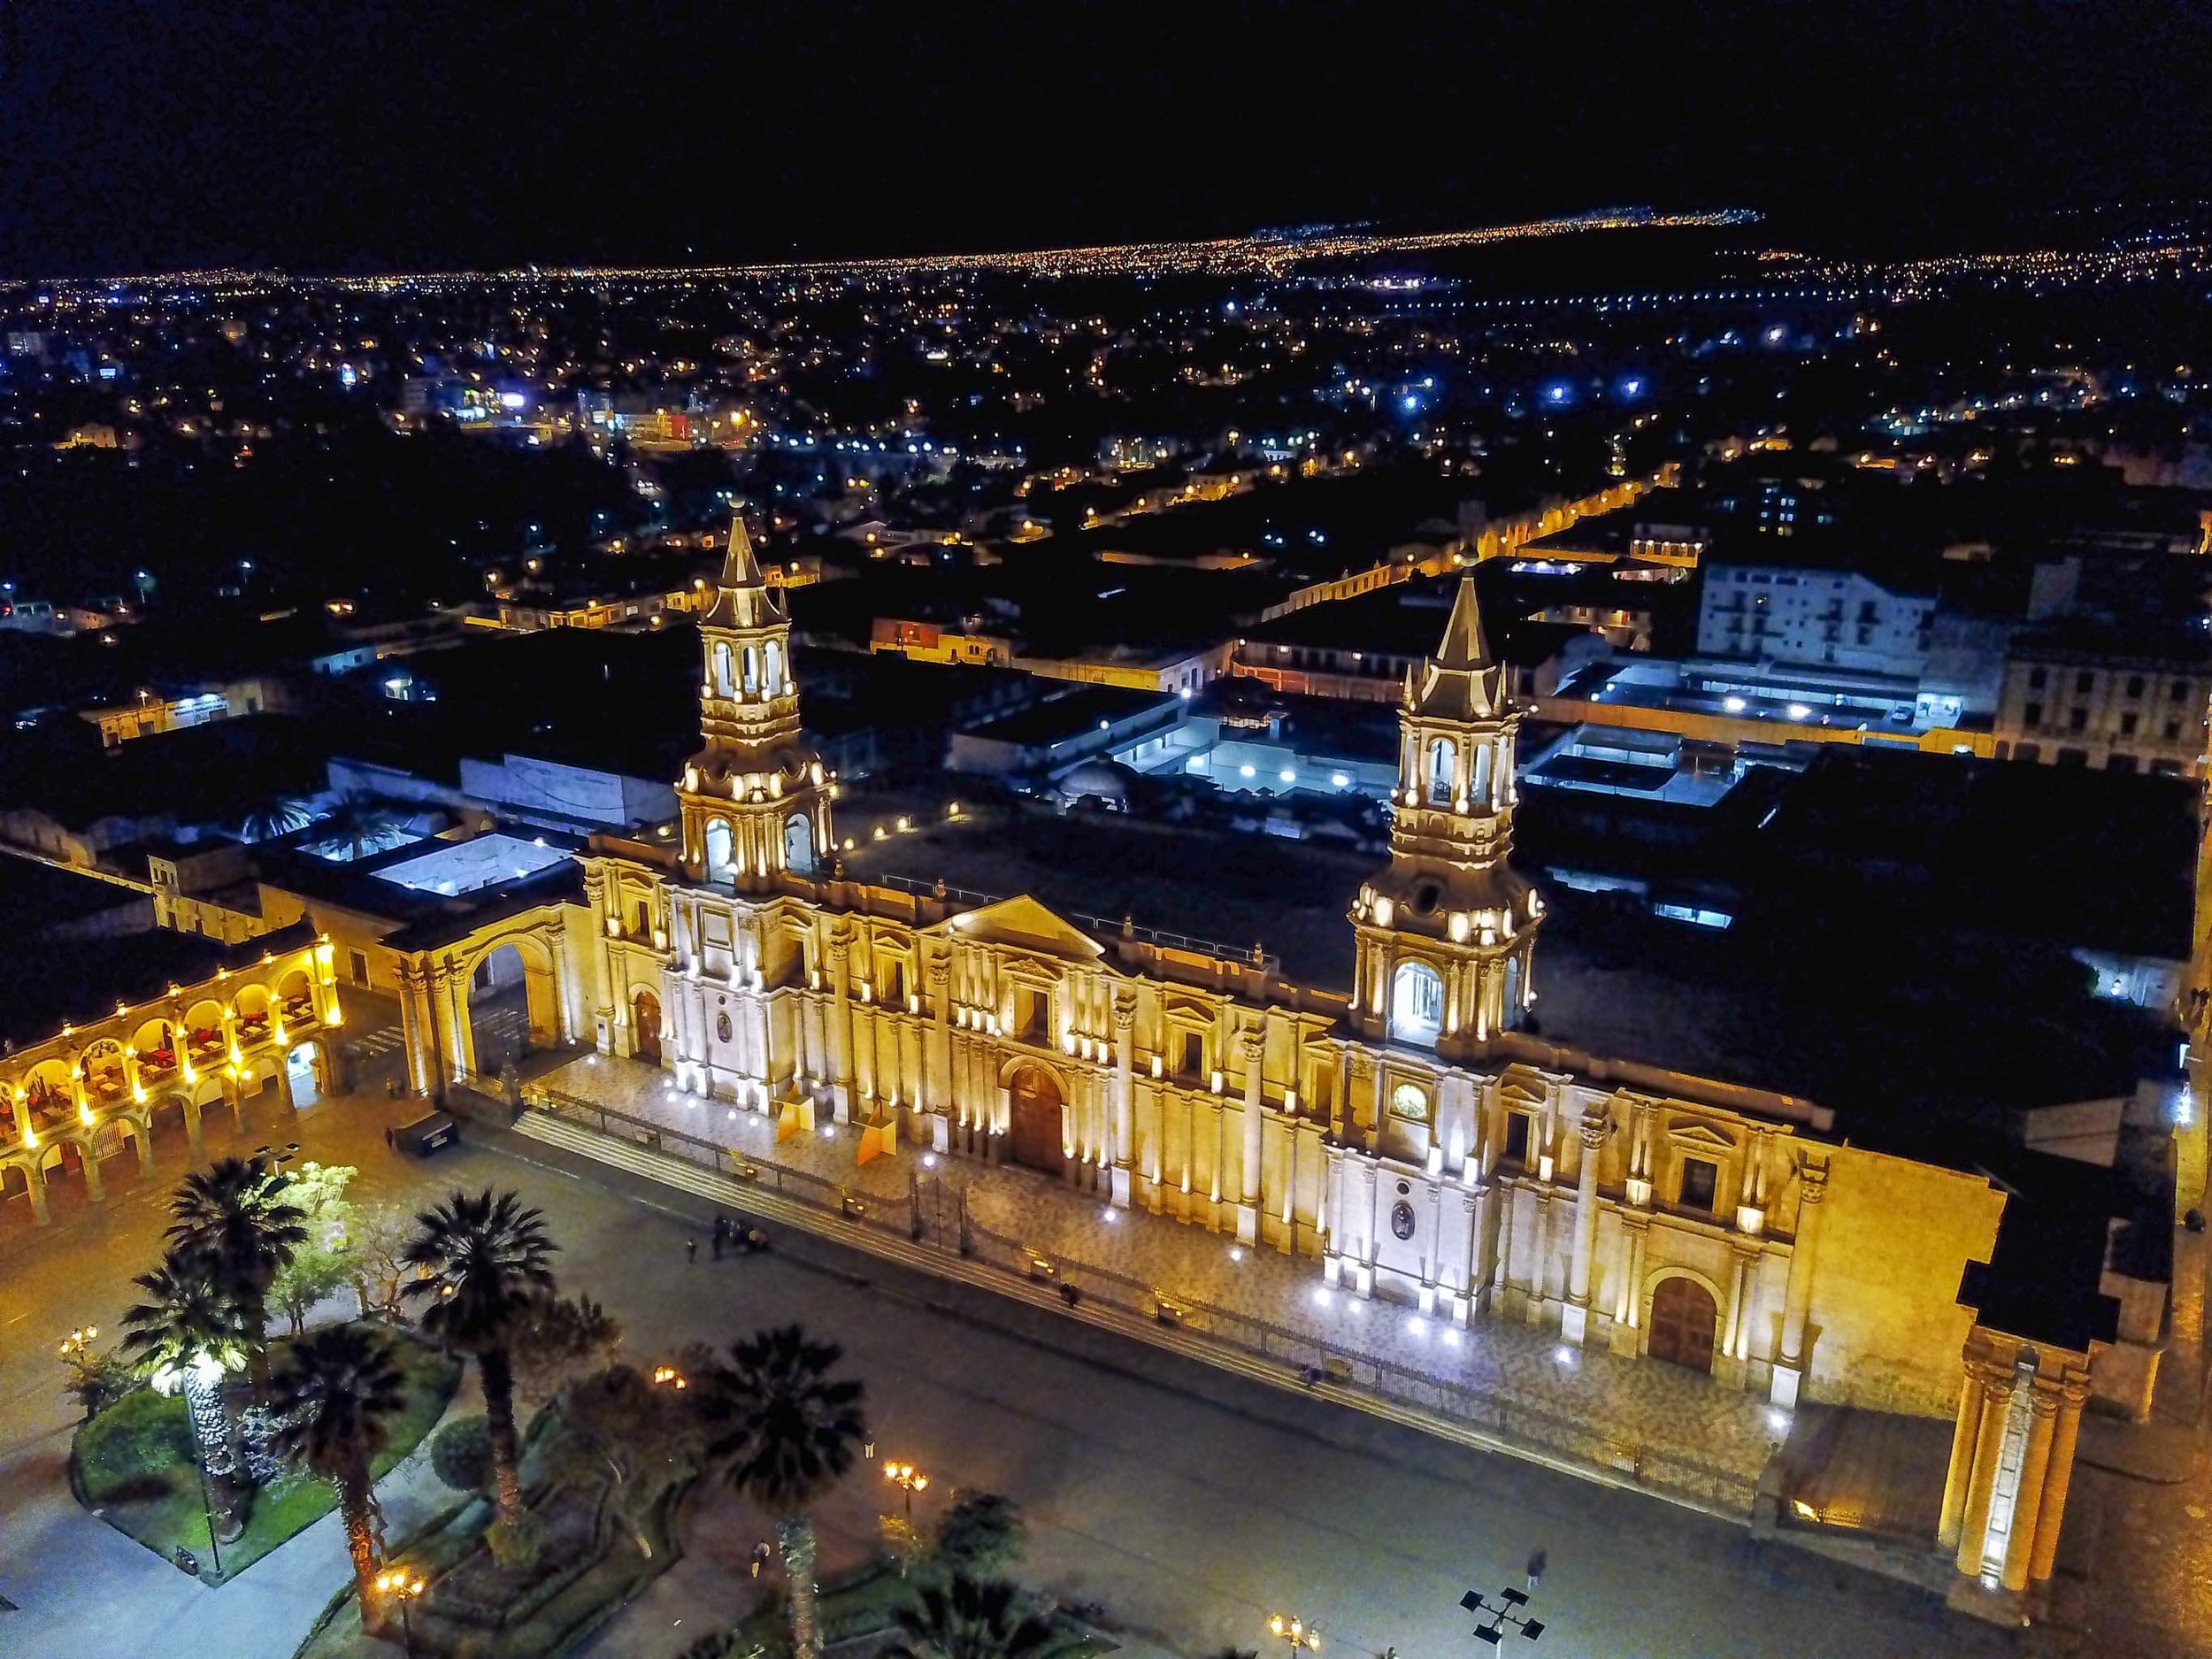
{"x":363,"y":134}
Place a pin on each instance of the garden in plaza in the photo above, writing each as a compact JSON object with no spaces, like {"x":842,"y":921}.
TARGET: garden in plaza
{"x":288,"y":1349}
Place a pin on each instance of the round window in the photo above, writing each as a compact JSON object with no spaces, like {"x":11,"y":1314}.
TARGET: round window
{"x":1401,"y":1219}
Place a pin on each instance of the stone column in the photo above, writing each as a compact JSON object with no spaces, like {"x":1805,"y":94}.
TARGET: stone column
{"x":937,"y":972}
{"x":91,"y":1164}
{"x":1989,"y":1445}
{"x":564,"y":1022}
{"x":2027,"y":1501}
{"x":1628,"y":1306}
{"x":1253,"y":1046}
{"x":1965,"y":1434}
{"x":1574,"y":1319}
{"x":1124,"y":1012}
{"x":1789,"y":1367}
{"x":601,"y":962}
{"x":1539,"y":1267}
{"x":2051,"y":1510}
{"x":34,"y":1183}
{"x":144,"y":1142}
{"x":840,"y":1029}
{"x":192,"y":1130}
{"x":457,"y":1013}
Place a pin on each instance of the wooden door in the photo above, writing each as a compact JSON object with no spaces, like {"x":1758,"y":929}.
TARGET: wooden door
{"x":646,"y":1023}
{"x":1682,"y":1323}
{"x":1034,"y":1140}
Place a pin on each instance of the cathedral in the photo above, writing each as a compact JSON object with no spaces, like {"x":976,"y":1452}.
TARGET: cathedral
{"x":1412,"y":1136}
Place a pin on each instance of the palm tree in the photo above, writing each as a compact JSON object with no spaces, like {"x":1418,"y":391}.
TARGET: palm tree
{"x":482,"y":1263}
{"x":969,"y":1618}
{"x":274,"y":818}
{"x":365,"y":823}
{"x":333,"y":1402}
{"x":192,"y":1332}
{"x":792,"y":1435}
{"x":235,"y":1213}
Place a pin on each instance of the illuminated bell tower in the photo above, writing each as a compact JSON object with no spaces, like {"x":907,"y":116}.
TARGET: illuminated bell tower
{"x":1447,"y":930}
{"x":755,"y":799}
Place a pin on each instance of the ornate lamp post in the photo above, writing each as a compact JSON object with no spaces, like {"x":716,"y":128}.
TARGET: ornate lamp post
{"x":399,"y":1584}
{"x":1294,"y":1634}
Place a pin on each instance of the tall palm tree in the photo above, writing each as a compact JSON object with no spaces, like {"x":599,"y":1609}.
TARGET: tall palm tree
{"x":192,"y":1333}
{"x":969,"y":1618}
{"x":793,"y":1431}
{"x":481,"y":1263}
{"x":333,"y":1399}
{"x":236,"y":1213}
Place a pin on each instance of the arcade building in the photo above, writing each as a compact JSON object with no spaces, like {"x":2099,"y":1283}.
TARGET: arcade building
{"x":1409,"y":1136}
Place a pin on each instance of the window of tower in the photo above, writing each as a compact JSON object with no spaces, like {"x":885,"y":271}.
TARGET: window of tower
{"x":718,"y":850}
{"x":772,"y":682}
{"x":1416,"y":1005}
{"x":724,"y":671}
{"x":752,"y":668}
{"x":798,"y":844}
{"x":1441,"y":756}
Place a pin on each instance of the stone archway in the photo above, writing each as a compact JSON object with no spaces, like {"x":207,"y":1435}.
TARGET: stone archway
{"x":1684,"y":1323}
{"x":512,"y":1006}
{"x":304,"y":1073}
{"x":1033,"y":1140}
{"x":645,"y":1026}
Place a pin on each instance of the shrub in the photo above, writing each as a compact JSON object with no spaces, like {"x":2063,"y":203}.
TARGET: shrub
{"x":461,"y":1453}
{"x":981,"y":1535}
{"x":135,"y":1446}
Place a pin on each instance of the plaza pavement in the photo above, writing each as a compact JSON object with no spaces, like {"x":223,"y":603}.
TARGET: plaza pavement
{"x":1188,"y":1502}
{"x":1628,"y":1404}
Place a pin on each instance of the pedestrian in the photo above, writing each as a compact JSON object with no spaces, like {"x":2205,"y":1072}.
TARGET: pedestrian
{"x":1535,"y":1570}
{"x":691,"y":1250}
{"x":721,"y":1235}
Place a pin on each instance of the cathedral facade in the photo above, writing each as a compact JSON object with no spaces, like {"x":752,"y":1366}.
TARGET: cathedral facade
{"x":1412,"y":1138}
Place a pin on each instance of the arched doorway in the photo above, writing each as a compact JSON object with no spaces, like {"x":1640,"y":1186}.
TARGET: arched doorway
{"x":1683,"y":1319}
{"x":511,"y":1005}
{"x":1033,"y":1141}
{"x":301,"y":1075}
{"x":645,"y":1026}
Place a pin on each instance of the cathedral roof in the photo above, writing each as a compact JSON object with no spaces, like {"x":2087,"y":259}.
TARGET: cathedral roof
{"x":742,"y":597}
{"x":1462,"y":681}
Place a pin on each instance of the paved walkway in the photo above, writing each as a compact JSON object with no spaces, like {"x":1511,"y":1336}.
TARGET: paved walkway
{"x":1641,"y":1403}
{"x":81,"y":1588}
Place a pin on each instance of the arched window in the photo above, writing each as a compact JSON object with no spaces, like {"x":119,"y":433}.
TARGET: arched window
{"x":1440,"y":758}
{"x":1479,"y":787}
{"x":772,"y":681}
{"x":718,"y":849}
{"x":724,"y":685}
{"x":798,"y":844}
{"x":1416,"y":1005}
{"x":1512,"y":990}
{"x":752,"y":668}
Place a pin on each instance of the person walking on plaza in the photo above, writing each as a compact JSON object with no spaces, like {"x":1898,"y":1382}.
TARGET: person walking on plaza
{"x":691,"y":1250}
{"x":721,"y":1235}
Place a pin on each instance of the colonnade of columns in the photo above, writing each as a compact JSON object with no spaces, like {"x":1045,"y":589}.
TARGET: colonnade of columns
{"x":2012,"y":1460}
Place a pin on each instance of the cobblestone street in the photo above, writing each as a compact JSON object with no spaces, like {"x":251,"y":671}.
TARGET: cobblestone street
{"x":1632,"y":1404}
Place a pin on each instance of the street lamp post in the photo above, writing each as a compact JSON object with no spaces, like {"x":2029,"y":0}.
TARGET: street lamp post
{"x":909,"y":1480}
{"x":404,"y":1587}
{"x":1294,"y":1634}
{"x":1503,"y":1614}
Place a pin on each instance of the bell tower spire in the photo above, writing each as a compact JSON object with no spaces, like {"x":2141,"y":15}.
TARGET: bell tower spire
{"x":754,"y":799}
{"x":1447,"y":930}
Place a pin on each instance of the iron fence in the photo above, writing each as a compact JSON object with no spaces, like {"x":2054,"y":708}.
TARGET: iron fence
{"x":933,"y":1213}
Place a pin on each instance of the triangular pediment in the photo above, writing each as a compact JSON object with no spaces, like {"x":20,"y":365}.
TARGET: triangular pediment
{"x":1698,"y":1135}
{"x":1024,"y":922}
